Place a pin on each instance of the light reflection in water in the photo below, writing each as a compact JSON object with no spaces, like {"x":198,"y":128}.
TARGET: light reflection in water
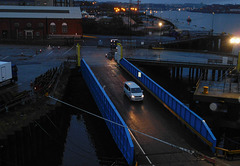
{"x":79,"y":149}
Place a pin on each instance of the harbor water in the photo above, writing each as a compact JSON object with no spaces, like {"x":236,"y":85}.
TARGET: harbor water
{"x":228,"y":23}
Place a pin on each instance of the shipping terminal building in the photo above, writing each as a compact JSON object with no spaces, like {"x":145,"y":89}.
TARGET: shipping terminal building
{"x":40,"y":22}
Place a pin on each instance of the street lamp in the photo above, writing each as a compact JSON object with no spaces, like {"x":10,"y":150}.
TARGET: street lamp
{"x":212,"y":20}
{"x":160,"y":25}
{"x":236,"y":40}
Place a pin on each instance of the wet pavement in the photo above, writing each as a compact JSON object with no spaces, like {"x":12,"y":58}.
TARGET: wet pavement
{"x":31,"y":64}
{"x":148,"y":117}
{"x":33,"y":61}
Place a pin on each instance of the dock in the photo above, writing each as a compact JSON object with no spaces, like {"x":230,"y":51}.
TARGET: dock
{"x":223,"y":91}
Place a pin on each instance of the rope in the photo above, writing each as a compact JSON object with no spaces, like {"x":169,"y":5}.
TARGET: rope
{"x":147,"y":135}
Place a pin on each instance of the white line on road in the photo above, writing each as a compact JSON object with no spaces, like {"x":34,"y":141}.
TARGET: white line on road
{"x":68,"y":50}
{"x":140,"y":147}
{"x":50,"y":53}
{"x":5,"y":57}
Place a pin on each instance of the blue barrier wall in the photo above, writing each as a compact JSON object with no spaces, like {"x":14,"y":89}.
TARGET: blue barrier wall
{"x":120,"y":134}
{"x":182,"y":112}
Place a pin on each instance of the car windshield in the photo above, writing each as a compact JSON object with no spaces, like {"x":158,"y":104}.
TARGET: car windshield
{"x":136,"y":90}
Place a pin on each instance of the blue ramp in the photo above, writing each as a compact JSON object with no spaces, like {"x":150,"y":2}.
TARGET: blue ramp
{"x":195,"y":123}
{"x":120,"y":134}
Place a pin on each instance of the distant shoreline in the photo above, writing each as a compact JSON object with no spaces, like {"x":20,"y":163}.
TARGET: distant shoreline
{"x":215,"y":12}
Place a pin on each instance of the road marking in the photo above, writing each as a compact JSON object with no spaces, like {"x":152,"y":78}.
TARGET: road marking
{"x":5,"y":57}
{"x":68,"y":50}
{"x":49,"y":53}
{"x":140,"y":147}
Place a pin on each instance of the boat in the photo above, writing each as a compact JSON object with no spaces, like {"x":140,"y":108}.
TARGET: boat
{"x":189,"y":19}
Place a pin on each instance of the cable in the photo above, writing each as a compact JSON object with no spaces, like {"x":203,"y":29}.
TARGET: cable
{"x":157,"y":139}
{"x":68,"y":138}
{"x":68,"y":148}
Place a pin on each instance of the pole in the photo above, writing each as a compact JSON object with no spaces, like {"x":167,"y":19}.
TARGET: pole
{"x":121,"y":50}
{"x":78,"y":54}
{"x":212,"y":21}
{"x":160,"y":25}
{"x":238,"y":64}
{"x":160,"y":36}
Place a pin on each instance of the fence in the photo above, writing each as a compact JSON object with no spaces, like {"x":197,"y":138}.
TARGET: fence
{"x":120,"y":135}
{"x":176,"y":107}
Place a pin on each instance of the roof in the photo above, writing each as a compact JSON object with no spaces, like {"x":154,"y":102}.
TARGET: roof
{"x":2,"y":62}
{"x":131,"y":84}
{"x":40,"y":12}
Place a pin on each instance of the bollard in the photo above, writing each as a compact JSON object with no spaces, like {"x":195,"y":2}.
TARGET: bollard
{"x":205,"y":90}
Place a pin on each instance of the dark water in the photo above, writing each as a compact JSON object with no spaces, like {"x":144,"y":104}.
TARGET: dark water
{"x":228,"y":23}
{"x":65,"y":136}
{"x":88,"y":141}
{"x":79,"y":148}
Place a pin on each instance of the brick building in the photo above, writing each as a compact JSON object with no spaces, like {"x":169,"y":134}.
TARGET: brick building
{"x":38,"y":22}
{"x":37,"y":2}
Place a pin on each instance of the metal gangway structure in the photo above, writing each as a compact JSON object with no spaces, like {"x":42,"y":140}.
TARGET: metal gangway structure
{"x":117,"y":126}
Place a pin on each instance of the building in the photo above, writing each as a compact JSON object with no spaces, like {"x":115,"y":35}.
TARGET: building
{"x":38,"y":22}
{"x":66,"y":3}
{"x":62,"y":2}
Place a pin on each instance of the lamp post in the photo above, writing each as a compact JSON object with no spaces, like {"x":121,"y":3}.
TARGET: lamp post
{"x":212,"y":21}
{"x":236,"y":40}
{"x":160,"y":25}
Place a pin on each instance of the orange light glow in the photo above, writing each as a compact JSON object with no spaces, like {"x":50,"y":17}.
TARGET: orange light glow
{"x":133,"y":9}
{"x":116,"y":9}
{"x":123,"y":9}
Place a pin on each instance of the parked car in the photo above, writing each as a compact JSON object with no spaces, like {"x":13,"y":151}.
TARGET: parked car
{"x":110,"y":55}
{"x":133,"y":91}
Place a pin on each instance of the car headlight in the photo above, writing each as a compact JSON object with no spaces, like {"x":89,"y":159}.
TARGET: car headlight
{"x":132,"y":97}
{"x":142,"y":96}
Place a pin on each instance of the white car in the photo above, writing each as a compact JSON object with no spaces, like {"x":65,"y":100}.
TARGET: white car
{"x":133,"y":91}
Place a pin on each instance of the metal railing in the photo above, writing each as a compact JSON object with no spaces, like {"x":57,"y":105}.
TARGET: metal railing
{"x":176,"y":107}
{"x":120,"y":135}
{"x":225,"y":153}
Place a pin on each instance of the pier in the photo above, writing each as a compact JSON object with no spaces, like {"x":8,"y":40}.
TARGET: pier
{"x":195,"y":69}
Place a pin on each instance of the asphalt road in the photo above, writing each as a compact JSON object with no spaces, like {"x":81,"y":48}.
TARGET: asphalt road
{"x":149,"y":117}
{"x":32,"y":62}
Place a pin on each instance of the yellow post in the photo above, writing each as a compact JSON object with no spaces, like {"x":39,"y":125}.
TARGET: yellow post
{"x":238,"y":64}
{"x":78,"y":55}
{"x":121,"y":49}
{"x":205,"y":90}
